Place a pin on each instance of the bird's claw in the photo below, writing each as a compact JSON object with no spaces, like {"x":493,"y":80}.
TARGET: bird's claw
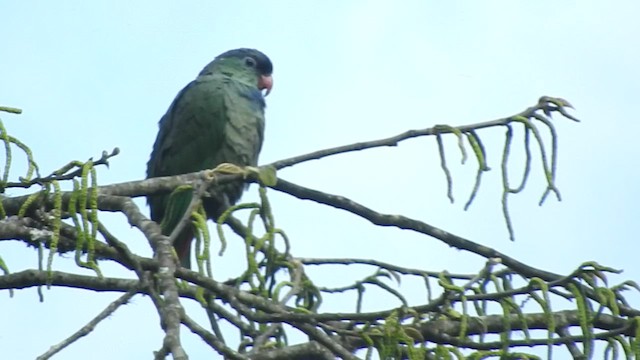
{"x":209,"y":175}
{"x":232,"y":169}
{"x":265,"y":175}
{"x":229,"y":169}
{"x":251,"y":170}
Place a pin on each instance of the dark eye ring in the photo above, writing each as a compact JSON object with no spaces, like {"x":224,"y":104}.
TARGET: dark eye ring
{"x":249,"y":61}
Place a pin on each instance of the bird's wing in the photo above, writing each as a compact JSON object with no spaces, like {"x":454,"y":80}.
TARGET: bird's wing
{"x":213,"y":120}
{"x":191,"y":134}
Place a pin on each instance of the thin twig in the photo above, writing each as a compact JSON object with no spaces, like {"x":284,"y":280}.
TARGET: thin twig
{"x":10,"y":109}
{"x":104,"y":160}
{"x":213,"y":341}
{"x":193,"y":205}
{"x":381,"y":264}
{"x":89,"y":327}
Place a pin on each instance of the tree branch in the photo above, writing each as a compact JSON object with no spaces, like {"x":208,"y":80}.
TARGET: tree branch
{"x":405,"y":223}
{"x":545,"y":104}
{"x":88,"y":328}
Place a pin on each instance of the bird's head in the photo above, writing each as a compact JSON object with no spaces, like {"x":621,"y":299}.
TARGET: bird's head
{"x":248,"y":65}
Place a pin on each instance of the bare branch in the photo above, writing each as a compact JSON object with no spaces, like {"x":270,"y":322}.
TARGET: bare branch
{"x":210,"y":339}
{"x":88,"y":328}
{"x":381,"y":264}
{"x":406,"y":223}
{"x":29,"y":278}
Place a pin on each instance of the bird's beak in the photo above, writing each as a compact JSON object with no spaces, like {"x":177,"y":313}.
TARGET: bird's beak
{"x":265,"y":82}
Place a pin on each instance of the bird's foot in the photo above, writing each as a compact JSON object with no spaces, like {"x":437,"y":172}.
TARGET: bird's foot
{"x":229,"y":169}
{"x":265,"y":175}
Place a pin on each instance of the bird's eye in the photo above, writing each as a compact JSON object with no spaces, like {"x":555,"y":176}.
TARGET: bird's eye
{"x":249,"y":61}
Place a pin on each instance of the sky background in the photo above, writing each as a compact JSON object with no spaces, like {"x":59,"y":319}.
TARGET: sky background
{"x":91,"y":76}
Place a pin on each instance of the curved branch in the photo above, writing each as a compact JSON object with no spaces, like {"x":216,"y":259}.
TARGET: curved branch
{"x":403,"y":222}
{"x":30,"y":278}
{"x":546,"y":104}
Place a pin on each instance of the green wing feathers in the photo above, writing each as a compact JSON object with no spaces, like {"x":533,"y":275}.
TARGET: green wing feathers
{"x":217,"y":118}
{"x":176,"y":206}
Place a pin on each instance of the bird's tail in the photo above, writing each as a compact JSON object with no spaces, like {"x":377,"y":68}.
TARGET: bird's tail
{"x":177,"y":205}
{"x":183,"y":247}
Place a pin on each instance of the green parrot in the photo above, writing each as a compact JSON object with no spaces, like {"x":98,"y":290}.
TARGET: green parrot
{"x":217,"y":118}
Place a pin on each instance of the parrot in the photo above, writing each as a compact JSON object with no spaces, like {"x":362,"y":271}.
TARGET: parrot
{"x":217,"y":118}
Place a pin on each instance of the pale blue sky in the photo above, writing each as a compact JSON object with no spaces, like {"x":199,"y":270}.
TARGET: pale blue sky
{"x":94,"y":75}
